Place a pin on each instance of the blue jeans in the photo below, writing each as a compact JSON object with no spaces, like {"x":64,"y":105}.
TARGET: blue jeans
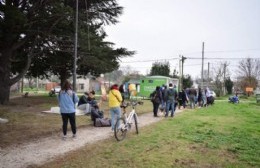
{"x":115,"y":113}
{"x":170,"y":104}
{"x":192,"y":101}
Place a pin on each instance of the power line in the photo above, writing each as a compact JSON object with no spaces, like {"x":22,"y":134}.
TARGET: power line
{"x":222,"y":51}
{"x":230,"y":58}
{"x":218,"y":58}
{"x":150,"y":60}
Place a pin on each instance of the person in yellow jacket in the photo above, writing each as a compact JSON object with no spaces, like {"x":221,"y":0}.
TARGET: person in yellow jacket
{"x":114,"y":102}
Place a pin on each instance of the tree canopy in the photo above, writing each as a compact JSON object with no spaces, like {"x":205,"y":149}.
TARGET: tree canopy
{"x":248,"y":73}
{"x":160,"y":68}
{"x":37,"y":38}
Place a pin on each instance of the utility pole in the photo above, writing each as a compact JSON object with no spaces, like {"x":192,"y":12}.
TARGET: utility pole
{"x":224,"y":89}
{"x":202,"y":68}
{"x":208,"y":75}
{"x":182,"y":62}
{"x":180,"y":85}
{"x":75,"y":47}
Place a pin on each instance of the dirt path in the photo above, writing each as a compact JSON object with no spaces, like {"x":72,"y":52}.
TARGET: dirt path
{"x":46,"y":149}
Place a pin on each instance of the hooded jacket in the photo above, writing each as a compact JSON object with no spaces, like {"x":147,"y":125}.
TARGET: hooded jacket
{"x":114,"y":97}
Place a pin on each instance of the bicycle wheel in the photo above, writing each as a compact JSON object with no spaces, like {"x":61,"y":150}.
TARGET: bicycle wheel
{"x":136,"y":124}
{"x":120,"y":129}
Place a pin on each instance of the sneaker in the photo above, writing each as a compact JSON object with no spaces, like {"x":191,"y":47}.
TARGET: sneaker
{"x":64,"y":137}
{"x":74,"y":136}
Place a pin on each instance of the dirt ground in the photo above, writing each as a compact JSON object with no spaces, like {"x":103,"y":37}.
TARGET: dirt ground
{"x":48,"y":148}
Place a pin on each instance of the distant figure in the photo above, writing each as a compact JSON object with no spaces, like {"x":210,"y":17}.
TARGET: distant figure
{"x":210,"y":98}
{"x":122,"y":91}
{"x":192,"y":97}
{"x":204,"y":99}
{"x":67,"y":100}
{"x":171,"y":100}
{"x":156,"y":98}
{"x":183,"y":99}
{"x":200,"y":97}
{"x":234,"y":99}
{"x":164,"y":96}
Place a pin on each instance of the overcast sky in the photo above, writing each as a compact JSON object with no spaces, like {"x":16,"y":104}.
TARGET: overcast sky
{"x":165,"y":29}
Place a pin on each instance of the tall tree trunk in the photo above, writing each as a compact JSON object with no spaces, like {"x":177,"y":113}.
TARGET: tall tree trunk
{"x":63,"y":76}
{"x":5,"y":65}
{"x":5,"y":74}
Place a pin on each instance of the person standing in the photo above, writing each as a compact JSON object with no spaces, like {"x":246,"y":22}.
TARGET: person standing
{"x":192,"y":97}
{"x":164,"y":96}
{"x":114,"y":102}
{"x":184,"y":98}
{"x":200,"y":101}
{"x":67,"y":100}
{"x":122,"y":91}
{"x":170,"y":100}
{"x":156,"y":98}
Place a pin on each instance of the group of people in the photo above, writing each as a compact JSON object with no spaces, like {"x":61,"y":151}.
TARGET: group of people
{"x":168,"y":99}
{"x":67,"y":99}
{"x":164,"y":98}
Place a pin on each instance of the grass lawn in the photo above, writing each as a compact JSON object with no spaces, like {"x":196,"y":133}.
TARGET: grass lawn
{"x":223,"y":135}
{"x":27,"y":122}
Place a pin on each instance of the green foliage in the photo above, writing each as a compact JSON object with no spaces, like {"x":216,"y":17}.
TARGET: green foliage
{"x":229,"y":85}
{"x":187,"y":81}
{"x":37,"y":38}
{"x":160,"y":68}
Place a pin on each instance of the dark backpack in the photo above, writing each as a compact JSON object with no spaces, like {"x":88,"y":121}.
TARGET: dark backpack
{"x":152,"y":96}
{"x":171,"y":94}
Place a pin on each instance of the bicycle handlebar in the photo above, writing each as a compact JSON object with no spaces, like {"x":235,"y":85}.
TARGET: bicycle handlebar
{"x":133,"y":104}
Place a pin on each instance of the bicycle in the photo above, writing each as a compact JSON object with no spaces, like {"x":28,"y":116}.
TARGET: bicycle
{"x":123,"y":124}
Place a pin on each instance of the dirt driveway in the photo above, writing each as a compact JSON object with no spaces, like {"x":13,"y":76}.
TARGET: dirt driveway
{"x":46,"y":149}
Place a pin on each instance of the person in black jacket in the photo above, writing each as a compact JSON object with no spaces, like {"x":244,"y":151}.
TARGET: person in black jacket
{"x":184,"y":98}
{"x":156,"y":98}
{"x":87,"y":101}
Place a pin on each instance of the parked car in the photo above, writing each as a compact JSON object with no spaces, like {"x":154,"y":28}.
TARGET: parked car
{"x":56,"y":89}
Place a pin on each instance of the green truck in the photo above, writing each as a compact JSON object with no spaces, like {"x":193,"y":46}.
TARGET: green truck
{"x":149,"y":83}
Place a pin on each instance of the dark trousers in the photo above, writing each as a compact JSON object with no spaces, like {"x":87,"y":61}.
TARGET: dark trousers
{"x":155,"y":109}
{"x":71,"y":117}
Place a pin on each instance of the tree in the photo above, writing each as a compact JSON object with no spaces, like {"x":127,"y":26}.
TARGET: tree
{"x":221,"y":74}
{"x":20,"y":26}
{"x":38,"y":34}
{"x":248,"y":73}
{"x":175,"y":74}
{"x":187,"y":81}
{"x":160,"y":68}
{"x":229,"y":85}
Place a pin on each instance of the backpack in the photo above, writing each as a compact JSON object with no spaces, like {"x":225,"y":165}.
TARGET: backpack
{"x":171,"y":94}
{"x":152,"y":96}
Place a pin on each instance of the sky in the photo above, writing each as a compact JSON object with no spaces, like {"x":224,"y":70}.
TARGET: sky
{"x":163,"y":30}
